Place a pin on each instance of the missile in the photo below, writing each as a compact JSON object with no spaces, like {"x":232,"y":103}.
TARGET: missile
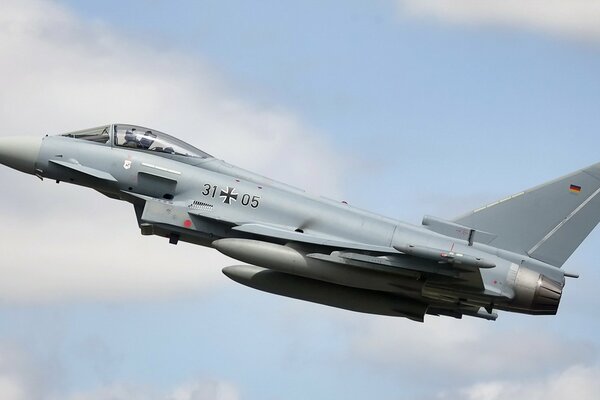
{"x":292,"y":261}
{"x":479,"y":313}
{"x":445,"y":256}
{"x":348,"y":298}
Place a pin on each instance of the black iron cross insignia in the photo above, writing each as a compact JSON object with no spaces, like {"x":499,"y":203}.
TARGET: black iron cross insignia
{"x":228,"y":195}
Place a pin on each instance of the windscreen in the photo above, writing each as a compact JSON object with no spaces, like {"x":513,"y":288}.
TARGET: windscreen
{"x":98,"y":135}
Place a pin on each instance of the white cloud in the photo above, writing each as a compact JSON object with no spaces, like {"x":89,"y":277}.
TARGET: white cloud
{"x":83,"y":256}
{"x":28,"y":376}
{"x":117,"y":392}
{"x":58,"y":73}
{"x":576,"y":382}
{"x":578,"y":19}
{"x":200,"y":389}
{"x":11,"y":389}
{"x":21,"y":377}
{"x":206,"y":389}
{"x":466,"y":349}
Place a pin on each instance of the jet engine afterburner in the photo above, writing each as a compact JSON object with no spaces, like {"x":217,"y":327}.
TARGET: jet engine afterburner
{"x":536,"y":294}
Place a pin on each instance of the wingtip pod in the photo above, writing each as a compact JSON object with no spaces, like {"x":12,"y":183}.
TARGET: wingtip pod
{"x":20,"y":152}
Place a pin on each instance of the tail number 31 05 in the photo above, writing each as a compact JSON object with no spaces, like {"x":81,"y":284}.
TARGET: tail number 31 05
{"x":229,"y":195}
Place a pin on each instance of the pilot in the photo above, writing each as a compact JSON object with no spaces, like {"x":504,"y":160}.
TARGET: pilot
{"x":147,"y":140}
{"x":130,"y":138}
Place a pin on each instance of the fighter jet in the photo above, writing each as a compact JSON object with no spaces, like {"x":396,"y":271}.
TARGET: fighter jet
{"x":506,"y":255}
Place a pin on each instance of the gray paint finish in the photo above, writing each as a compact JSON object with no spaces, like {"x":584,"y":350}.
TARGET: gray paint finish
{"x":504,"y":256}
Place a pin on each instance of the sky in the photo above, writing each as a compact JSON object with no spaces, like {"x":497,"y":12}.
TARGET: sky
{"x":402,"y":107}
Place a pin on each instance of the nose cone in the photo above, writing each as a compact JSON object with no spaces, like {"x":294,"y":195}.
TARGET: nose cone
{"x":20,"y":153}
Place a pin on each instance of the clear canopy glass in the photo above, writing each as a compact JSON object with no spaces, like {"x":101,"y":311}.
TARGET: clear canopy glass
{"x":137,"y":137}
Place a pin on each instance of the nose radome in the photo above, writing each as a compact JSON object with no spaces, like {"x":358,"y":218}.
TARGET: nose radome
{"x":20,"y":152}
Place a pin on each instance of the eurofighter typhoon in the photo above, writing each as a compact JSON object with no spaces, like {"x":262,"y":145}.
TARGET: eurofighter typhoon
{"x":504,"y":256}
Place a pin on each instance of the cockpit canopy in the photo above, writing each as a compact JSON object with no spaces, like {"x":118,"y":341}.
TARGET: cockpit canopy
{"x":140,"y":138}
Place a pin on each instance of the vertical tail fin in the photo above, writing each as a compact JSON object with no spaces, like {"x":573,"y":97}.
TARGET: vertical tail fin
{"x":547,"y":222}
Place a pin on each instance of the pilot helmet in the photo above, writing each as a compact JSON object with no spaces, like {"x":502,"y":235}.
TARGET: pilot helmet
{"x":147,"y":140}
{"x":129,"y":136}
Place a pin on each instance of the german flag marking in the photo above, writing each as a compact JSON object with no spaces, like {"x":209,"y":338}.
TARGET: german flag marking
{"x":574,"y":189}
